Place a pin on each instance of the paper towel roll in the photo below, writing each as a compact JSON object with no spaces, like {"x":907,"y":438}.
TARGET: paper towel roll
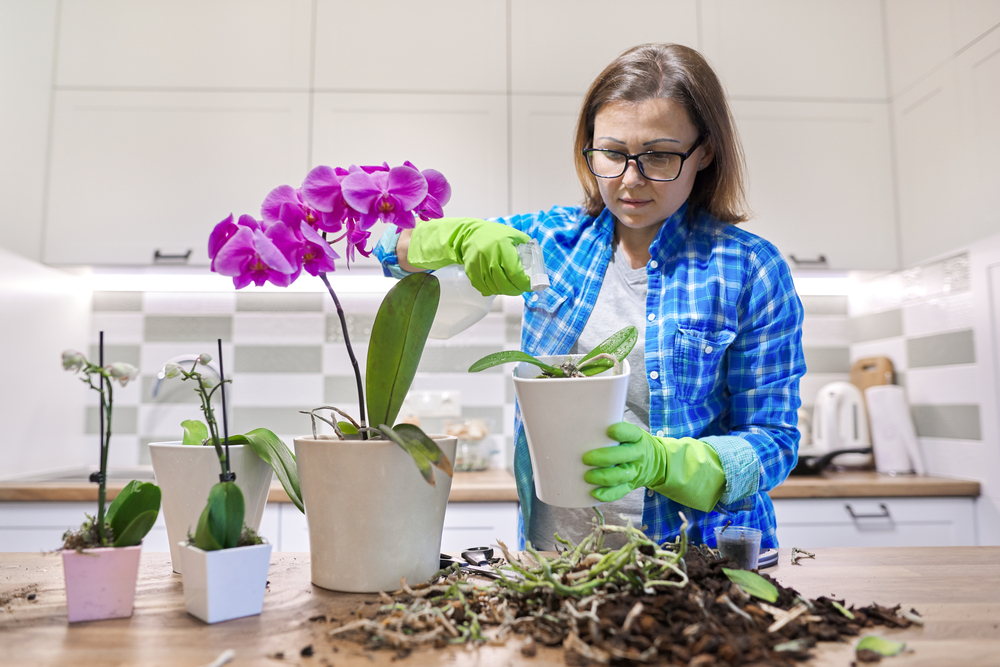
{"x":894,"y":440}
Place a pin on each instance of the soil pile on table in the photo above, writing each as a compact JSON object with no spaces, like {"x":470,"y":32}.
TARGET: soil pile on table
{"x":642,"y":604}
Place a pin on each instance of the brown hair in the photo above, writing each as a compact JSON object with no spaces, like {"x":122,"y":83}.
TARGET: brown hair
{"x":679,"y":73}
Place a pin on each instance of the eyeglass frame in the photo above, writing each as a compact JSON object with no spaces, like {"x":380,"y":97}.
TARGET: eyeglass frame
{"x":638,"y":164}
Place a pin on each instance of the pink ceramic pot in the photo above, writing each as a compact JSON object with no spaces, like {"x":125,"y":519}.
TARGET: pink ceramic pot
{"x":100,"y":583}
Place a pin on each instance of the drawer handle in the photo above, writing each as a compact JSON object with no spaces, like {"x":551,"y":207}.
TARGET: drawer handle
{"x":162,"y":258}
{"x":818,"y":263}
{"x":884,"y":514}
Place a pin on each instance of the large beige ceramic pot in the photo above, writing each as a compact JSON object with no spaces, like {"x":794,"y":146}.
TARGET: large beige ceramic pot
{"x":185,"y":475}
{"x":372,"y":517}
{"x":563,"y":419}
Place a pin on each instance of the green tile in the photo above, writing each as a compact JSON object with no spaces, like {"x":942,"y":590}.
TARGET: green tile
{"x":171,"y":390}
{"x":827,"y":359}
{"x":956,"y":422}
{"x":116,"y":301}
{"x":129,"y":354}
{"x":512,"y":331}
{"x":455,"y":359}
{"x":175,"y":328}
{"x":888,"y":324}
{"x":278,"y":359}
{"x":280,"y":302}
{"x":824,"y":305}
{"x":359,"y":328}
{"x":341,"y":391}
{"x":283,"y":421}
{"x":956,"y":347}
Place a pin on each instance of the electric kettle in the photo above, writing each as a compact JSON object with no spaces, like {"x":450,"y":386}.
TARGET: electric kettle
{"x":840,"y":422}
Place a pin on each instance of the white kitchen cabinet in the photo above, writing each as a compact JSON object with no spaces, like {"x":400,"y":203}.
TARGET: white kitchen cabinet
{"x":784,"y":49}
{"x":875,"y":522}
{"x":462,"y":136}
{"x":39,"y":526}
{"x":820,"y":181}
{"x":543,"y":129}
{"x":405,"y":46}
{"x":222,"y":44}
{"x":465,"y":525}
{"x":136,"y":172}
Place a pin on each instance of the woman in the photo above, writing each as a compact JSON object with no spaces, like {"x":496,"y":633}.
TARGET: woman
{"x":710,"y":423}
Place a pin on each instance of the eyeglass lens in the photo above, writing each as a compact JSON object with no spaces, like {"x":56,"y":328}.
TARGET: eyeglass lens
{"x":612,"y":164}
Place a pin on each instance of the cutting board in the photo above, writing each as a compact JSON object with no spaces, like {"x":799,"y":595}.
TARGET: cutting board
{"x":871,"y":372}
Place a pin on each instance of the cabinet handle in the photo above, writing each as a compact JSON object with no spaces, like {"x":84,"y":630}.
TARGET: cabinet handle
{"x":161,"y":258}
{"x":884,"y":514}
{"x":818,"y":263}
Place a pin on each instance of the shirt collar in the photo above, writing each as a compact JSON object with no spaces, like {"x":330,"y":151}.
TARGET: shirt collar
{"x":671,"y":237}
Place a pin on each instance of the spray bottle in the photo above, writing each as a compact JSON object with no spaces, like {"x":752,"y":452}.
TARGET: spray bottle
{"x":462,"y":305}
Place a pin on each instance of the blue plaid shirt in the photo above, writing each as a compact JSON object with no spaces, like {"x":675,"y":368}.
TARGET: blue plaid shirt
{"x":723,"y":349}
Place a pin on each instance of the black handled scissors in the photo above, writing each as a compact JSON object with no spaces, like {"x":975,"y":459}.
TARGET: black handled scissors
{"x":476,"y":560}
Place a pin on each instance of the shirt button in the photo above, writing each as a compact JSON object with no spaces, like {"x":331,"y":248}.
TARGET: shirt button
{"x":651,"y":317}
{"x":654,"y":375}
{"x":653,"y":264}
{"x":708,"y":349}
{"x":659,"y":433}
{"x":534,"y":298}
{"x":650,"y":492}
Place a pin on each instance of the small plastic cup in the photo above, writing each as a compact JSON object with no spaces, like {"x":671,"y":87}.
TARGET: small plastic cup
{"x":740,"y":544}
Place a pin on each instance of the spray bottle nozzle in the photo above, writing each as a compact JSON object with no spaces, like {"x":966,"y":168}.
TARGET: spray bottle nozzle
{"x":534,"y":264}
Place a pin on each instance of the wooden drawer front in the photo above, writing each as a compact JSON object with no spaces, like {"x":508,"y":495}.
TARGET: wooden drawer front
{"x":875,"y":522}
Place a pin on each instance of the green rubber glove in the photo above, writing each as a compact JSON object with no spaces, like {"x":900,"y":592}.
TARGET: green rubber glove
{"x":686,"y":470}
{"x":486,"y":250}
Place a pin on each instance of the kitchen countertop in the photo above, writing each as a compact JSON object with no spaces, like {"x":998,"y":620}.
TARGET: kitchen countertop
{"x":497,"y":485}
{"x":954,"y":589}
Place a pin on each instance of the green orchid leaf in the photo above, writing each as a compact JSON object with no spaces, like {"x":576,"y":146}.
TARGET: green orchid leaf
{"x":753,"y":583}
{"x":596,"y":366}
{"x":418,"y":439}
{"x":136,"y":530}
{"x":398,"y":336}
{"x":414,"y":449}
{"x":843,"y":610}
{"x":509,"y":356}
{"x":195,"y":432}
{"x":880,"y":646}
{"x":347,"y":428}
{"x":273,"y":451}
{"x":221,"y":521}
{"x":618,"y":344}
{"x":128,"y":515}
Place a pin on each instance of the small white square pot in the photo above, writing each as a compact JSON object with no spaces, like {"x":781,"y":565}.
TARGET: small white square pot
{"x":225,"y":584}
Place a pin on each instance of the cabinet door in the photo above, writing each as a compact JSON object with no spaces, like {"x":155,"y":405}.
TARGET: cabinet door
{"x":136,"y":172}
{"x":39,"y":526}
{"x":543,"y":130}
{"x":875,"y":522}
{"x":820,"y":181}
{"x":479,"y":524}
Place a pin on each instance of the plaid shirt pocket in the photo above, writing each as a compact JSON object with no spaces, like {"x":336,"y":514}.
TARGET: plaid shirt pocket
{"x":699,"y":358}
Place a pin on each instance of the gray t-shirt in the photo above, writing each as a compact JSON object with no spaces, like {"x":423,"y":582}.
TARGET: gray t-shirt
{"x":622,"y":301}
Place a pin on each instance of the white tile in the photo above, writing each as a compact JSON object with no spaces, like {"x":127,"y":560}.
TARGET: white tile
{"x":185,"y":43}
{"x":277,"y":389}
{"x":123,"y":453}
{"x":476,"y":389}
{"x":354,"y":304}
{"x":894,"y":348}
{"x":154,"y":355}
{"x":279,"y":328}
{"x":336,"y":361}
{"x":189,"y":303}
{"x":825,"y":331}
{"x":945,"y":385}
{"x":118,"y":328}
{"x":440,"y":45}
{"x":180,"y":162}
{"x":512,"y":305}
{"x":487,"y":331}
{"x":437,"y":132}
{"x":509,"y":410}
{"x":963,"y":459}
{"x":939,"y":315}
{"x":811,"y":383}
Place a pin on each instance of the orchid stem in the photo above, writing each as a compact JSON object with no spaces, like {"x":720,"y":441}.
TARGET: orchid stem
{"x":350,"y":352}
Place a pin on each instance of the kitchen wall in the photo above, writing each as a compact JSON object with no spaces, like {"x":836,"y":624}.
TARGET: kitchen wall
{"x":939,"y":323}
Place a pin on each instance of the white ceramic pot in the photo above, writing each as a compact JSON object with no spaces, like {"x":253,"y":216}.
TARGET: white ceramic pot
{"x":563,"y":419}
{"x":100,"y":583}
{"x":372,"y":517}
{"x":185,"y":475}
{"x":224,"y":584}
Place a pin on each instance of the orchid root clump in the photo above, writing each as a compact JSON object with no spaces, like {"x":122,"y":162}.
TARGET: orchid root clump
{"x":644,"y":603}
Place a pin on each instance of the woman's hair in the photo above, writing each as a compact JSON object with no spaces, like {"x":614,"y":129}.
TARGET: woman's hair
{"x":681,"y":74}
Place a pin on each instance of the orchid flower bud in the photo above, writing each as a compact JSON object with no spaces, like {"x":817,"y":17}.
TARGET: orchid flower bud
{"x":171,"y":370}
{"x":204,"y":359}
{"x":207,"y":382}
{"x":122,"y":372}
{"x":73,"y":360}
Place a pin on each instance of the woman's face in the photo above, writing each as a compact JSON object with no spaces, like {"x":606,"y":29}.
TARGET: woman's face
{"x":653,"y":125}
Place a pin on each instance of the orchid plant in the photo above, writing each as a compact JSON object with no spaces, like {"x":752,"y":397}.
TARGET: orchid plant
{"x":297,"y":231}
{"x":133,"y":511}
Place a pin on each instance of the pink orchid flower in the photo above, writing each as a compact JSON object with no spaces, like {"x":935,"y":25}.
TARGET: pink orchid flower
{"x":389,"y":196}
{"x":244,"y":252}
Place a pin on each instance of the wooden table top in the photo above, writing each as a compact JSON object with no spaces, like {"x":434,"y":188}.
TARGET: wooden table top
{"x":956,"y":590}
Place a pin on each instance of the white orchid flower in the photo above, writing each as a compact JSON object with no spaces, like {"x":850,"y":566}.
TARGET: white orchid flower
{"x":122,"y":372}
{"x":171,"y":370}
{"x":73,"y":360}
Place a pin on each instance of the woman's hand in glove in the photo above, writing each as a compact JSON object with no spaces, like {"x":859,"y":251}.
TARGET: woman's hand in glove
{"x":686,"y":470}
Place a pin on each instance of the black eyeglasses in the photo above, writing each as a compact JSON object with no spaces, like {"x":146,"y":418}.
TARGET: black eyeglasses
{"x":654,"y":165}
